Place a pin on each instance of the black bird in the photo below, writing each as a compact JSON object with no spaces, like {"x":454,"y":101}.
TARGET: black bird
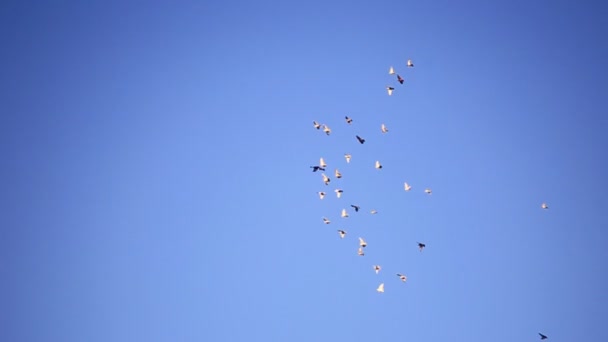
{"x":400,"y":79}
{"x":542,"y":337}
{"x":421,"y":246}
{"x":317,"y":168}
{"x":348,"y":120}
{"x":361,"y":140}
{"x":355,"y":206}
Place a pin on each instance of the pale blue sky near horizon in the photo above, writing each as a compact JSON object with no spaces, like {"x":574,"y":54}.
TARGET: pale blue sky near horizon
{"x":157,"y":184}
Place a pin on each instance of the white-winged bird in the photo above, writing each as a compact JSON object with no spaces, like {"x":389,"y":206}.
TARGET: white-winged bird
{"x":326,"y":129}
{"x":348,"y":120}
{"x":378,"y":165}
{"x":380,"y":288}
{"x":321,"y":194}
{"x":391,"y":71}
{"x":316,"y":124}
{"x":377,"y":268}
{"x":347,"y":157}
{"x":402,"y":277}
{"x":362,"y":243}
{"x":428,"y":191}
{"x":545,"y":206}
{"x":326,"y":179}
{"x":342,"y":233}
{"x":360,"y":251}
{"x":407,"y":187}
{"x":337,"y":174}
{"x":322,"y":162}
{"x":410,"y":64}
{"x":390,"y":90}
{"x":344,"y":213}
{"x":383,"y":128}
{"x":338,"y":192}
{"x":326,"y":220}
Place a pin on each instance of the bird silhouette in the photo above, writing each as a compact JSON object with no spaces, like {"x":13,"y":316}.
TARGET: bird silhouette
{"x":421,"y":246}
{"x":348,"y":120}
{"x":542,"y":337}
{"x":400,"y":79}
{"x":316,"y":124}
{"x":356,"y":207}
{"x":361,"y":140}
{"x":317,"y":168}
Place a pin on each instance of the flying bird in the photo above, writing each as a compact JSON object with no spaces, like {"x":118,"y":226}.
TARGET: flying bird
{"x":356,"y":207}
{"x":348,"y":120}
{"x":321,"y":194}
{"x":326,"y":220}
{"x":407,"y":187}
{"x":391,"y":71}
{"x":410,"y":64}
{"x":542,"y":337}
{"x":361,"y":140}
{"x":344,"y":213}
{"x":383,"y":128}
{"x":374,"y":211}
{"x":317,"y":168}
{"x":322,"y":162}
{"x":402,"y":277}
{"x":347,"y":157}
{"x":377,"y":268}
{"x":390,"y":90}
{"x":400,"y":79}
{"x":326,"y":179}
{"x":421,"y":246}
{"x":428,"y":191}
{"x":380,"y":288}
{"x":338,"y":192}
{"x":360,"y":251}
{"x":326,"y":129}
{"x":316,"y":124}
{"x":378,"y":166}
{"x":342,"y":233}
{"x":545,"y":206}
{"x":362,"y":243}
{"x":338,"y":174}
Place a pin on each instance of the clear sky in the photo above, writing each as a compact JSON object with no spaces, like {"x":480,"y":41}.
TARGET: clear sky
{"x":157,"y":186}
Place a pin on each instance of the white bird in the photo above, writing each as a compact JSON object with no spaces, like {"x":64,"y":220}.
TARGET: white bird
{"x":338,"y":174}
{"x":378,"y":165}
{"x":362,"y":243}
{"x":380,"y":288}
{"x":410,"y":64}
{"x":326,"y":129}
{"x":402,"y":277}
{"x":326,"y":179}
{"x":407,"y":187}
{"x":391,"y":71}
{"x":326,"y":220}
{"x":344,"y":213}
{"x":342,"y":233}
{"x":321,"y":194}
{"x":428,"y":191}
{"x":347,"y":157}
{"x":390,"y":90}
{"x":374,"y":211}
{"x":377,"y":268}
{"x":316,"y":124}
{"x":360,"y":251}
{"x":322,"y":162}
{"x":339,"y":192}
{"x":545,"y":206}
{"x":384,"y":129}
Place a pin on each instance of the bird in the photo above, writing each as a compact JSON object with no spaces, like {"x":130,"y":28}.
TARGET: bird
{"x":400,"y":79}
{"x":377,"y":268}
{"x":378,"y":165}
{"x":342,"y":233}
{"x":326,"y":129}
{"x":326,"y":220}
{"x":356,"y":207}
{"x":344,"y":213}
{"x":421,"y":246}
{"x":390,"y":90}
{"x":407,"y":187}
{"x":317,"y":168}
{"x":322,"y":163}
{"x":545,"y":206}
{"x":360,"y":251}
{"x":362,"y":243}
{"x":410,"y":64}
{"x":361,"y":140}
{"x":326,"y":179}
{"x":339,"y":192}
{"x":380,"y":288}
{"x":374,"y":211}
{"x":347,"y":157}
{"x":542,"y":337}
{"x":316,"y":124}
{"x":391,"y":71}
{"x":338,"y":174}
{"x":402,"y":277}
{"x":321,"y":194}
{"x":428,"y":191}
{"x":383,"y":128}
{"x":348,"y":120}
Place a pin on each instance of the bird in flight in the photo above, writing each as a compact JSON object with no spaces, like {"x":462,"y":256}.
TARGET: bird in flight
{"x":321,"y":194}
{"x":362,"y":243}
{"x":545,"y":206}
{"x":410,"y":64}
{"x":317,"y":168}
{"x":428,"y":191}
{"x":361,"y":140}
{"x":326,"y":129}
{"x":360,"y":251}
{"x":356,"y":207}
{"x":421,"y":246}
{"x":374,"y":211}
{"x":339,"y":192}
{"x":342,"y":233}
{"x":402,"y":277}
{"x":316,"y":124}
{"x":380,"y":288}
{"x":542,"y":337}
{"x":344,"y":213}
{"x":347,"y":157}
{"x":400,"y":79}
{"x":378,"y":165}
{"x":390,"y":90}
{"x":407,"y":187}
{"x":326,"y":220}
{"x":322,"y":162}
{"x":377,"y":268}
{"x":348,"y":120}
{"x":338,"y":174}
{"x":391,"y":71}
{"x":383,"y":128}
{"x":326,"y":179}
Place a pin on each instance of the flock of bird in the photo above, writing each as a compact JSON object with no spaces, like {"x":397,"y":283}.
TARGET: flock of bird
{"x":322,"y":167}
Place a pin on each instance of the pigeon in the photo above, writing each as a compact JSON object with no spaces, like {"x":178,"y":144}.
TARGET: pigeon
{"x":326,"y":220}
{"x":390,"y":90}
{"x":383,"y":128}
{"x":407,"y":187}
{"x":361,"y":140}
{"x":348,"y":120}
{"x":410,"y":64}
{"x":347,"y":157}
{"x":326,"y":179}
{"x":374,"y":211}
{"x":545,"y":206}
{"x":321,"y":194}
{"x":378,"y":165}
{"x":316,"y":124}
{"x":326,"y":129}
{"x":402,"y":277}
{"x":360,"y":251}
{"x":428,"y":191}
{"x":377,"y":268}
{"x":391,"y":71}
{"x":400,"y":79}
{"x":362,"y":243}
{"x":421,"y":246}
{"x":338,"y":174}
{"x":356,"y":207}
{"x":322,"y":163}
{"x":342,"y":233}
{"x":338,"y":192}
{"x":317,"y":168}
{"x":380,"y":288}
{"x":344,"y":213}
{"x":542,"y":337}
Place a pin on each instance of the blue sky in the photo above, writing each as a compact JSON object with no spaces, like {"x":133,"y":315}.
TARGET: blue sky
{"x":157,"y":183}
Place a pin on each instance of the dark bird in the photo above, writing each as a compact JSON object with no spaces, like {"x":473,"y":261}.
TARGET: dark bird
{"x":542,"y":337}
{"x":317,"y":168}
{"x":421,"y":246}
{"x":348,"y":120}
{"x":361,"y":140}
{"x":400,"y":79}
{"x":356,"y":207}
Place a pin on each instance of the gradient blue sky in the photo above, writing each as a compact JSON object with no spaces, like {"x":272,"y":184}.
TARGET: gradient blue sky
{"x":157,"y":185}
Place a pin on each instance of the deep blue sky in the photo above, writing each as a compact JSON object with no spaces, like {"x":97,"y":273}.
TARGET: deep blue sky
{"x":157,"y":184}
